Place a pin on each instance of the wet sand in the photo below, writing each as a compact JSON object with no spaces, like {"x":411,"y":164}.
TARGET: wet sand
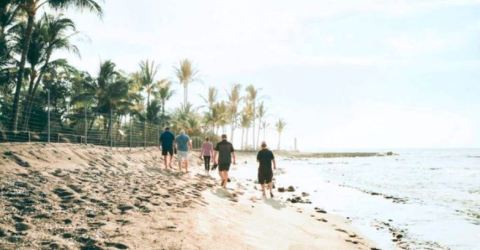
{"x":65,"y":196}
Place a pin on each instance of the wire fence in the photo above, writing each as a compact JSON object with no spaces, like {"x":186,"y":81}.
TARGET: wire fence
{"x":38,"y":122}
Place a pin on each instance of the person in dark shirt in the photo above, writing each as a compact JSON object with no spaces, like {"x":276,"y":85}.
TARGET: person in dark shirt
{"x":224,"y":158}
{"x":166,"y":139}
{"x":265,"y":159}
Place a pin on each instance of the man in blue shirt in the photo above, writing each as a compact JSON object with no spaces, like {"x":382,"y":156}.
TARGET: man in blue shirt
{"x":166,"y":139}
{"x":184,"y":144}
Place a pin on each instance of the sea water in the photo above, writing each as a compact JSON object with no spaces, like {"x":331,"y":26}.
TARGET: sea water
{"x":434,"y":195}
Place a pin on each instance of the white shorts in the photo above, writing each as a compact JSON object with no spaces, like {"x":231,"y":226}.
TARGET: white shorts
{"x":183,"y":155}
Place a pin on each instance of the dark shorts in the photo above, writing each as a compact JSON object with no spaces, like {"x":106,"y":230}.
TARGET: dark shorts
{"x":264,"y":176}
{"x":223,"y":166}
{"x":166,"y":151}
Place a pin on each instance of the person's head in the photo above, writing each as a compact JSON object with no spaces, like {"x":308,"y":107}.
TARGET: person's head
{"x":224,"y":137}
{"x":182,"y":132}
{"x":264,"y":145}
{"x":167,"y":129}
{"x":207,"y":139}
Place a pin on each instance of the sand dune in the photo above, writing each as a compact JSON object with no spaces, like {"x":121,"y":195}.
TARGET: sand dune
{"x":63,"y":196}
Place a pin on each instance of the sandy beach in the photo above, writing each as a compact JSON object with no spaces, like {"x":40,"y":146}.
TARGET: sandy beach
{"x":65,"y":196}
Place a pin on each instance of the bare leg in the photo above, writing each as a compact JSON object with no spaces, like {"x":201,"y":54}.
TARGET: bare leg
{"x":270,"y":184}
{"x":165,"y":161}
{"x":186,"y":166}
{"x":180,"y":163}
{"x":263,"y":189}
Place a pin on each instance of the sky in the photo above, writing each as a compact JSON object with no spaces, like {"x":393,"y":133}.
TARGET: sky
{"x":344,"y":74}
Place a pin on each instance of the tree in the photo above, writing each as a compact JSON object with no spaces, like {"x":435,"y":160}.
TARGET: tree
{"x":252,"y":94}
{"x":186,"y":74}
{"x":233,"y":103}
{"x":164,"y":93}
{"x":211,"y":100}
{"x":30,"y":8}
{"x":50,"y":34}
{"x":261,"y":112}
{"x":280,"y":126}
{"x":148,"y":71}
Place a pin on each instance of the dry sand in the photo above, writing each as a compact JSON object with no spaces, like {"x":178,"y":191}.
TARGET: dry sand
{"x":65,"y":196}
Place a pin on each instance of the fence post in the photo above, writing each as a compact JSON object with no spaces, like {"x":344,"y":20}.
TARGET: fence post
{"x":86,"y":123}
{"x":158,"y":135}
{"x":48,"y":96}
{"x":131,"y":133}
{"x":144,"y":134}
{"x":111,"y":138}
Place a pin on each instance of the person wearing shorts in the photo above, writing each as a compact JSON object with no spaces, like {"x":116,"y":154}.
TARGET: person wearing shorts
{"x":166,"y":139}
{"x":184,"y":145}
{"x":207,"y":153}
{"x":265,"y":159}
{"x":224,"y":158}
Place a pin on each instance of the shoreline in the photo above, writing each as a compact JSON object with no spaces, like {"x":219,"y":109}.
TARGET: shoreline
{"x":121,"y":198}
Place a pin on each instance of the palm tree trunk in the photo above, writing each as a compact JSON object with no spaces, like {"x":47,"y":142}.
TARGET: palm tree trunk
{"x":232,"y":131}
{"x":253,"y":130}
{"x":264,"y":133}
{"x":27,"y":103}
{"x":185,"y":94}
{"x":246,"y":139}
{"x":21,"y":68}
{"x":279,"y":137}
{"x":243,"y":134}
{"x":259,"y":129}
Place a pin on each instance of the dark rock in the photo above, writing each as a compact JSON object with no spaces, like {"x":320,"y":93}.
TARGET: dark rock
{"x":65,"y":195}
{"x":291,"y":189}
{"x":67,"y":221}
{"x":18,"y":218}
{"x":67,"y":235}
{"x":124,"y":207}
{"x":42,"y":216}
{"x":2,"y":233}
{"x":319,"y":210}
{"x":20,"y":226}
{"x":17,"y":159}
{"x":14,"y":239}
{"x":281,"y":189}
{"x":305,"y":194}
{"x":116,"y":245}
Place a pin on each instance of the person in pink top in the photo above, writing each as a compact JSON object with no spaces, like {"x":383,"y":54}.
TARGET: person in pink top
{"x":206,"y":153}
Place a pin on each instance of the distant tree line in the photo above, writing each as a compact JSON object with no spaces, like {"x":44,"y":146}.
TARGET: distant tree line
{"x":30,"y":70}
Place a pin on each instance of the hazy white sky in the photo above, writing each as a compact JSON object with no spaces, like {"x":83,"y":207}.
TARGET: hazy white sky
{"x":343,"y":74}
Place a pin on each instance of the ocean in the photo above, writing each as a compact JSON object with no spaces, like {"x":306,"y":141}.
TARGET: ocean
{"x":431,"y":198}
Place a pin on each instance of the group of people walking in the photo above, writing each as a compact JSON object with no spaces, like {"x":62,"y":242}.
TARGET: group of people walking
{"x":222,"y":156}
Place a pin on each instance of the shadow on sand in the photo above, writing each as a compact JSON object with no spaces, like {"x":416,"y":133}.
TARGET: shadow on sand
{"x":275,"y":203}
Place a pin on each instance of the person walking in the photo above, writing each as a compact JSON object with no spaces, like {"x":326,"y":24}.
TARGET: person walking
{"x":206,"y":153}
{"x":166,"y":139}
{"x":183,"y":145}
{"x":265,"y":159}
{"x":224,"y":158}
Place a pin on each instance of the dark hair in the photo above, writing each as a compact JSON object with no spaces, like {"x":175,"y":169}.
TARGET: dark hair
{"x":167,"y":128}
{"x":207,"y":139}
{"x":264,"y":144}
{"x":224,"y":136}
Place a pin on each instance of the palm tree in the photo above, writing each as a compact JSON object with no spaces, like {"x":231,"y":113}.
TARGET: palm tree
{"x":30,"y":8}
{"x":261,"y":112}
{"x":164,"y":93}
{"x":146,"y":76}
{"x":279,"y":126}
{"x":245,"y":122}
{"x":211,"y":101}
{"x":252,"y":94}
{"x":52,"y":37}
{"x":233,"y":103}
{"x":186,"y":74}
